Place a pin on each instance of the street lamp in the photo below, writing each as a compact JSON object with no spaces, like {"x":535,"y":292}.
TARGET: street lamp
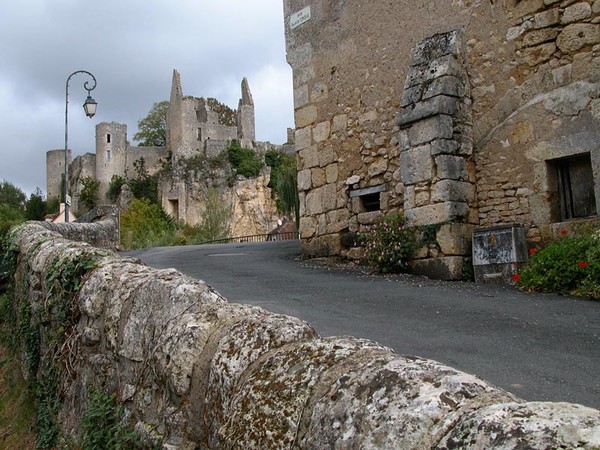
{"x":90,"y":109}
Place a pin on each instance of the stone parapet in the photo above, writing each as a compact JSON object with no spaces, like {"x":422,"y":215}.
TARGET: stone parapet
{"x":194,"y":371}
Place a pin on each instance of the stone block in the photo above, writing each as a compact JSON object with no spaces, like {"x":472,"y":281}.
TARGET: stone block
{"x":314,"y":202}
{"x":305,"y":116}
{"x":318,"y":177}
{"x":331,"y":173}
{"x":533,"y":56}
{"x":300,"y":56}
{"x":596,"y":7}
{"x":451,"y":167}
{"x":322,"y":131}
{"x":436,"y":213}
{"x":329,"y":197}
{"x":577,"y":35}
{"x":452,"y":191}
{"x":436,"y":127}
{"x":326,"y":155}
{"x":301,"y":96}
{"x":547,"y":18}
{"x":455,"y":239}
{"x":437,"y":46}
{"x":537,"y":37}
{"x":377,"y":167}
{"x":340,"y":123}
{"x":319,"y":92}
{"x":449,"y":85}
{"x":309,"y":157}
{"x":443,"y":147}
{"x":441,"y":104}
{"x":446,"y":65}
{"x":575,"y":13}
{"x":302,"y":138}
{"x":411,"y":95}
{"x":416,"y":165}
{"x":304,"y":180}
{"x":369,"y":218}
{"x":448,"y":268}
{"x":321,"y":246}
{"x":369,"y":116}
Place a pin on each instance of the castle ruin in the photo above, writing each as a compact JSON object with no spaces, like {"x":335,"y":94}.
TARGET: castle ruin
{"x":459,"y":114}
{"x":195,"y":129}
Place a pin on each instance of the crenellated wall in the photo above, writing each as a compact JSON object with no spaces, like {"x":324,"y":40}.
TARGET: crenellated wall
{"x":194,"y":371}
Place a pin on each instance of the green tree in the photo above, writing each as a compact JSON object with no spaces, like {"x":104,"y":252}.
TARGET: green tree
{"x":11,"y":195}
{"x":89,"y":192}
{"x":143,"y":224}
{"x":216,"y":219}
{"x":114,"y":187}
{"x":244,"y":160}
{"x":153,"y":128}
{"x":284,"y":182}
{"x":144,"y":185}
{"x":36,"y":207}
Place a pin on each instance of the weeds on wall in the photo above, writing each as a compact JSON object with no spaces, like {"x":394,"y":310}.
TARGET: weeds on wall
{"x":568,"y":265}
{"x":244,"y":160}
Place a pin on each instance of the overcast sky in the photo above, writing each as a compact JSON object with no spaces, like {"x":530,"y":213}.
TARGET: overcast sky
{"x":132,"y":47}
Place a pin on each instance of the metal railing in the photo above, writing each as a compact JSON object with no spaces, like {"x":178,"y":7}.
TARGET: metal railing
{"x":286,"y":236}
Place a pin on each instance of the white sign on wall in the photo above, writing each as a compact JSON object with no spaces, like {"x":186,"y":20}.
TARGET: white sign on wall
{"x":300,"y":17}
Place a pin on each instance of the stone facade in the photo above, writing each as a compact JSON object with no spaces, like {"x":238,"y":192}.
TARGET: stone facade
{"x":467,"y":112}
{"x":192,"y":370}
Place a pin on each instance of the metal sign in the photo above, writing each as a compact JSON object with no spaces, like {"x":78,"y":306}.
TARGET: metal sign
{"x":300,"y":17}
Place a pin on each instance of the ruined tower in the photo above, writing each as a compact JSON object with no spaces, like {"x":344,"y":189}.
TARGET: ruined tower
{"x":111,"y":154}
{"x":245,"y":116}
{"x":55,"y":169}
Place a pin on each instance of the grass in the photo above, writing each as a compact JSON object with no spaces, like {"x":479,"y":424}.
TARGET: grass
{"x":17,"y":410}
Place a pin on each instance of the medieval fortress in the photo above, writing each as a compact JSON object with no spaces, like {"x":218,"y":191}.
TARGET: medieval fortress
{"x":459,"y":114}
{"x":193,"y":129}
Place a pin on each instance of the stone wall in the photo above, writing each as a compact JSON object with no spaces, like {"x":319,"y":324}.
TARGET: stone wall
{"x":55,"y":169}
{"x":525,"y":95}
{"x":194,"y":371}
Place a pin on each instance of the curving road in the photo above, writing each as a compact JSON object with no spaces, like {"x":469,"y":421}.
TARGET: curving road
{"x":538,"y":346}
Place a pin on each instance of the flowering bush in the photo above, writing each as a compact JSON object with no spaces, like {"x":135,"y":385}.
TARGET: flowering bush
{"x":388,"y":244}
{"x":569,"y":265}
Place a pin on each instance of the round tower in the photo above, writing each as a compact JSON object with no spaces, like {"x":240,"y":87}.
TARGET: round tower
{"x":111,"y":154}
{"x":55,"y":169}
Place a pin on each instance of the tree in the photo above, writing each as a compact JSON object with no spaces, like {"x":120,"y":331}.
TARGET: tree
{"x":36,"y":207}
{"x":215,"y":221}
{"x":11,"y":195}
{"x":90,"y":192}
{"x":153,"y":128}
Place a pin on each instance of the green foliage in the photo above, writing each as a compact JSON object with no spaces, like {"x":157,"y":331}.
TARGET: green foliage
{"x":143,"y":224}
{"x":388,"y":244}
{"x":244,"y":160}
{"x":89,"y":192}
{"x":153,"y":128}
{"x":114,"y":187}
{"x":103,"y":424}
{"x":569,"y":265}
{"x":216,"y":219}
{"x":284,"y":182}
{"x":9,"y":217}
{"x":11,"y":195}
{"x":144,"y":186}
{"x":36,"y":207}
{"x":201,"y":166}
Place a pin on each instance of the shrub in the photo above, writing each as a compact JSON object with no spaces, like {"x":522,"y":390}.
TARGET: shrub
{"x":244,"y":160}
{"x":388,"y":244}
{"x":89,"y":192}
{"x":569,"y":265}
{"x":144,"y":224}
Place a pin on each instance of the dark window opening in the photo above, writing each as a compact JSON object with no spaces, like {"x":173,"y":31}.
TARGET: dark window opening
{"x":108,"y":154}
{"x":370,"y":202}
{"x":199,"y":134}
{"x":108,"y":138}
{"x":575,"y":187}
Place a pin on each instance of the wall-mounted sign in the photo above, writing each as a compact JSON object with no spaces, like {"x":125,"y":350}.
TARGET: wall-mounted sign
{"x":300,"y":17}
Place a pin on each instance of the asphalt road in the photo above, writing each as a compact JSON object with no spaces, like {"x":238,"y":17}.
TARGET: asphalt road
{"x":538,"y":346}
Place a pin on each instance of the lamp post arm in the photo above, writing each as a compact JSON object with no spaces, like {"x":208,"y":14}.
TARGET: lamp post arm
{"x":88,"y":88}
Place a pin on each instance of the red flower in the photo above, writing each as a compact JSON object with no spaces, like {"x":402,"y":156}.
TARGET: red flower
{"x":516,"y":277}
{"x":563,"y":232}
{"x":532,"y":251}
{"x":582,"y":264}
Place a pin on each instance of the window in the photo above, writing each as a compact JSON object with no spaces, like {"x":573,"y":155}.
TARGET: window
{"x":575,"y":187}
{"x":108,"y":138}
{"x":199,"y":134}
{"x":108,"y":155}
{"x":370,"y":199}
{"x":370,"y":202}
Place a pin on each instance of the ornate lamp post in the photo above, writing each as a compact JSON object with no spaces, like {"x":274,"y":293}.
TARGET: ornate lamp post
{"x":90,"y":109}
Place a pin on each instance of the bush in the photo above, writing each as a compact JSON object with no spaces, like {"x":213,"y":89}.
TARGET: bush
{"x":144,"y":224}
{"x":569,"y":265}
{"x":388,"y":244}
{"x":244,"y":160}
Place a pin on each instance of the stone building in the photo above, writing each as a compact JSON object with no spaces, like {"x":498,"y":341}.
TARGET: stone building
{"x":195,"y":129}
{"x":460,"y":114}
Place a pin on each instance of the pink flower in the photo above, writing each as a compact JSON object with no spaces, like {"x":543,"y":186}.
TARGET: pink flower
{"x":532,"y":251}
{"x":516,"y":277}
{"x":563,"y":232}
{"x":582,"y":264}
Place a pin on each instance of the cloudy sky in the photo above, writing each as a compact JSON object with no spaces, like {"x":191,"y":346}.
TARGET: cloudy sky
{"x":132,"y":47}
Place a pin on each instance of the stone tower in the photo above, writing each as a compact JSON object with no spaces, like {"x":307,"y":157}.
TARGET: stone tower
{"x":245,"y":116}
{"x":55,"y":169}
{"x":111,"y":154}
